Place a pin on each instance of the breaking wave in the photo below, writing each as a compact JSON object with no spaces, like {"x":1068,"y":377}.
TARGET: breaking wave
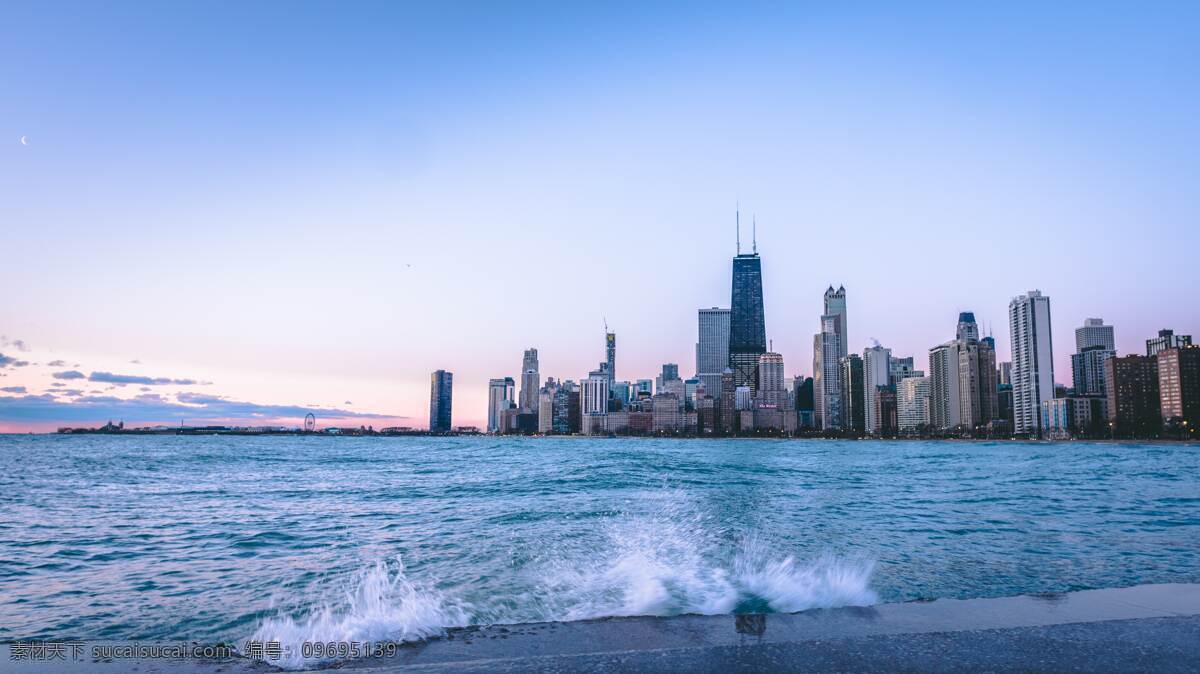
{"x":382,"y":604}
{"x":664,"y":565}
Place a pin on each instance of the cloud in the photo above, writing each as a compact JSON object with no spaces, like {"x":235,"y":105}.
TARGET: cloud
{"x":13,"y":389}
{"x":135,"y":361}
{"x":122,"y":379}
{"x":193,"y":408}
{"x":57,"y":363}
{"x":347,"y":403}
{"x":17,"y":344}
{"x":7,"y":361}
{"x":58,"y":383}
{"x":69,"y":374}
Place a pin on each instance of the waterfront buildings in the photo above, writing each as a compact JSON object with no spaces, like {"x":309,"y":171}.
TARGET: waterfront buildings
{"x":1032,"y":359}
{"x":853,"y":397}
{"x":529,"y":382}
{"x":1094,"y":343}
{"x":1167,"y":339}
{"x":712,"y":348}
{"x":610,"y":354}
{"x":1094,"y":333}
{"x":667,"y":417}
{"x":977,"y":402}
{"x":727,"y":408}
{"x":827,"y":375}
{"x":835,"y":306}
{"x":1087,"y":370}
{"x":912,"y":404}
{"x":500,"y":398}
{"x":772,"y":391}
{"x":441,"y":395}
{"x":1133,"y":397}
{"x":1179,"y":388}
{"x":830,"y":346}
{"x":877,"y":376}
{"x":593,"y":402}
{"x":944,"y":404}
{"x":747,"y":323}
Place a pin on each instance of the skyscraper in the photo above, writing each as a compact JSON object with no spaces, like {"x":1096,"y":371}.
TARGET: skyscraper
{"x":912,"y":403}
{"x":593,"y":404}
{"x":772,"y":392}
{"x":529,"y":382}
{"x":727,"y":414}
{"x":747,"y":324}
{"x":500,"y":398}
{"x":1087,"y":370}
{"x":827,"y":376}
{"x":441,"y":393}
{"x":1094,"y":333}
{"x":853,"y":398}
{"x":977,"y":402}
{"x":1134,"y":405}
{"x":1179,"y":387}
{"x":712,"y":349}
{"x":610,"y":354}
{"x":1094,"y":344}
{"x":1167,"y":339}
{"x":835,"y":306}
{"x":943,"y":386}
{"x":1032,"y":359}
{"x":876,"y":376}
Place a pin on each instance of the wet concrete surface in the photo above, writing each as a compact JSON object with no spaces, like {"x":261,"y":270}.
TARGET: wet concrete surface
{"x":1151,"y":628}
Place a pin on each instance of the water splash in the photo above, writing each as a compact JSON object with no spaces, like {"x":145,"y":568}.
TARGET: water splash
{"x":381,"y":604}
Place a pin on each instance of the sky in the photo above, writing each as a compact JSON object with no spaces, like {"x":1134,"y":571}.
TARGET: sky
{"x":246,"y":211}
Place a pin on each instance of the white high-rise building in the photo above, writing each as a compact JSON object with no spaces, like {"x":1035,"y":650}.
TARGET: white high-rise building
{"x":712,"y":349}
{"x":827,"y":375}
{"x":1032,"y":359}
{"x":500,"y":398}
{"x":912,"y":403}
{"x":546,"y":410}
{"x":876,"y":372}
{"x":943,"y":386}
{"x":772,"y":388}
{"x":529,"y":382}
{"x":593,"y":402}
{"x":743,"y":398}
{"x":835,"y":306}
{"x":1094,"y":333}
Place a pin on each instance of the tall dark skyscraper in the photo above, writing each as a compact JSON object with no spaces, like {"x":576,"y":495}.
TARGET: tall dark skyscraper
{"x":441,"y":391}
{"x":610,"y":353}
{"x":747,"y":325}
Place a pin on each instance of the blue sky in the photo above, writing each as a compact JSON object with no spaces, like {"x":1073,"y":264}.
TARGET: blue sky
{"x":313,"y":203}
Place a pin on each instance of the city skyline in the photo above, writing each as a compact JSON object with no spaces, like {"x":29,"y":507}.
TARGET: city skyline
{"x":319,"y":214}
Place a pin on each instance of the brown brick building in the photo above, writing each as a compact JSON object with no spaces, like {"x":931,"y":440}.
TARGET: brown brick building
{"x":1133,"y":402}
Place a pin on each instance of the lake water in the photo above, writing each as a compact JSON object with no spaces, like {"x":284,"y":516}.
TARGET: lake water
{"x":322,"y":538}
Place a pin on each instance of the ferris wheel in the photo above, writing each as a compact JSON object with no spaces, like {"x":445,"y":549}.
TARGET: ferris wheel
{"x":310,"y":423}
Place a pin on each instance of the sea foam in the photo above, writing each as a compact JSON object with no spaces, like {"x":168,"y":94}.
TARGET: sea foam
{"x":380,"y":604}
{"x":675,"y":561}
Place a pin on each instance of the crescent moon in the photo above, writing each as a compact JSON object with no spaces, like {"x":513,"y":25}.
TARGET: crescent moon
{"x":23,"y":141}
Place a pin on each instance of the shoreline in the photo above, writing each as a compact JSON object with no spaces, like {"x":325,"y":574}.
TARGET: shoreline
{"x":295,"y":434}
{"x":1139,"y":628}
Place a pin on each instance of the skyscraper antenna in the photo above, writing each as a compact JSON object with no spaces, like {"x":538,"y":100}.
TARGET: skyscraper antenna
{"x":754,"y":232}
{"x":737,"y":218}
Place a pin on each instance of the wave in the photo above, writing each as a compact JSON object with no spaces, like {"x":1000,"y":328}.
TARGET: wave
{"x":382,"y":604}
{"x":670,"y":564}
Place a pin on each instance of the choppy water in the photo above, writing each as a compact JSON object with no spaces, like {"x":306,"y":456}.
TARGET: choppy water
{"x":296,"y":538}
